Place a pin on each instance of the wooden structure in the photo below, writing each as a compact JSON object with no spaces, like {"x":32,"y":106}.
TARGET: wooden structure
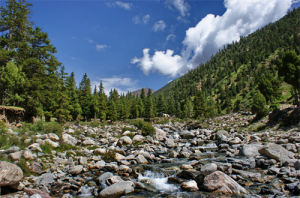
{"x":11,"y":113}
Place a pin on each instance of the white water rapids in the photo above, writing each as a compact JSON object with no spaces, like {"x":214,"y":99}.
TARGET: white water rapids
{"x":158,"y":181}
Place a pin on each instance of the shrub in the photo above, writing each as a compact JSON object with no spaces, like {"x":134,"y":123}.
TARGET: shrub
{"x":94,"y":124}
{"x":109,"y":156}
{"x":128,"y":129}
{"x":146,"y":127}
{"x":47,"y":148}
{"x":259,"y":105}
{"x":52,"y":127}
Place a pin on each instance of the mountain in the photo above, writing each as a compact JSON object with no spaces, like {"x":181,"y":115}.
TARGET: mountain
{"x":139,"y":92}
{"x":229,"y":80}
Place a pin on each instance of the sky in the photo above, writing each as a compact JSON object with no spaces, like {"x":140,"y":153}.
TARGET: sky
{"x":136,"y":44}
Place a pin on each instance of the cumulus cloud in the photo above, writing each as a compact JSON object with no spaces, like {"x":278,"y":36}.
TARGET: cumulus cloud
{"x":181,"y":5}
{"x":212,"y":33}
{"x":101,"y":46}
{"x":146,"y":18}
{"x":159,"y":26}
{"x":123,"y":85}
{"x":163,"y":61}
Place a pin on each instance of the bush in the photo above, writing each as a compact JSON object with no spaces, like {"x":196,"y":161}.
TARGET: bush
{"x":259,"y":105}
{"x":52,"y":127}
{"x":94,"y":124}
{"x":109,"y":156}
{"x":146,"y":127}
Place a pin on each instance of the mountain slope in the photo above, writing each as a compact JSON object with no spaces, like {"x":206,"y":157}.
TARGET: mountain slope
{"x":233,"y":73}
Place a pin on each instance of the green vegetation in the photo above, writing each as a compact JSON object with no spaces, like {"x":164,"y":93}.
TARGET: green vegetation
{"x":32,"y":78}
{"x":146,"y":127}
{"x":109,"y":156}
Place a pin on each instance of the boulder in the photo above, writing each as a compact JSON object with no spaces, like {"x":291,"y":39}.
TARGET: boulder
{"x":251,"y":150}
{"x":53,"y":137}
{"x":118,"y":189}
{"x":10,"y":174}
{"x":141,"y":159}
{"x":89,"y":141}
{"x":187,"y":134}
{"x":119,"y":157}
{"x":209,"y":168}
{"x":189,"y":186}
{"x":219,"y":182}
{"x":277,"y":152}
{"x":138,"y":138}
{"x":35,"y":147}
{"x":221,"y":136}
{"x":68,"y":139}
{"x":256,"y":177}
{"x":52,"y":143}
{"x":125,"y":140}
{"x":28,"y":155}
{"x":75,"y":170}
{"x":102,"y":179}
{"x":170,"y":143}
{"x":160,"y":134}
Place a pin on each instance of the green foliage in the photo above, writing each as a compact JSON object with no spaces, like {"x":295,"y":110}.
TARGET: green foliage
{"x":146,"y":127}
{"x":259,"y":105}
{"x":23,"y":165}
{"x":109,"y":156}
{"x":94,"y":124}
{"x":128,"y":129}
{"x":47,"y":148}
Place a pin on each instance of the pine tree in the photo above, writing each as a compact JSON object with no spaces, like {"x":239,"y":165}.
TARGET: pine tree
{"x":199,"y":105}
{"x":85,"y":97}
{"x":161,"y":105}
{"x":72,"y":93}
{"x":149,"y":106}
{"x":259,"y":105}
{"x":102,"y":103}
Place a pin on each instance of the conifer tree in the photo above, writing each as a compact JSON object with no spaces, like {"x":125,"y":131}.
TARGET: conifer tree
{"x":71,"y":90}
{"x":149,"y":106}
{"x":102,"y":103}
{"x":85,"y":97}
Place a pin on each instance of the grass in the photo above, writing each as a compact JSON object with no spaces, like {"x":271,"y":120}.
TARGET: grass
{"x":146,"y":127}
{"x":109,"y":156}
{"x":128,"y":129}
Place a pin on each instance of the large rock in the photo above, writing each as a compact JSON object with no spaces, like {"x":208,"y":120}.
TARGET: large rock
{"x":125,"y":140}
{"x":170,"y":143}
{"x":222,"y":136}
{"x":10,"y":174}
{"x":16,"y":156}
{"x":138,"y":138}
{"x":53,"y":137}
{"x":52,"y":143}
{"x":68,"y":139}
{"x":118,"y":189}
{"x":75,"y":170}
{"x":251,"y":150}
{"x":189,"y":186}
{"x":209,"y":168}
{"x":102,"y":179}
{"x":277,"y":152}
{"x":160,"y":134}
{"x":141,"y":159}
{"x":221,"y":183}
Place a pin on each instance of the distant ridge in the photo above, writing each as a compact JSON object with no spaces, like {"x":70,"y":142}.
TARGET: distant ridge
{"x":139,"y":91}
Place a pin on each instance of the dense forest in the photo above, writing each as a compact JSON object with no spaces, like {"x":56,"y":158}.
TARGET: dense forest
{"x":260,"y":70}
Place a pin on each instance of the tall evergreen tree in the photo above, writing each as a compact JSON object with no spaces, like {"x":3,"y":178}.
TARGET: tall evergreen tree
{"x":149,"y":106}
{"x":102,"y":103}
{"x":85,"y":97}
{"x":72,"y":93}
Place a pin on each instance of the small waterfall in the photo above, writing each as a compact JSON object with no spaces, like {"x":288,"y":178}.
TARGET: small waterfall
{"x":86,"y":192}
{"x":158,"y":181}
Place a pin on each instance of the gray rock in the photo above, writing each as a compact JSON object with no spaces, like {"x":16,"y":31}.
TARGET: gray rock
{"x":102,"y":179}
{"x":125,"y":140}
{"x":141,"y":159}
{"x":221,"y":136}
{"x":75,"y":170}
{"x":297,"y":165}
{"x":208,"y":168}
{"x":219,"y":182}
{"x":28,"y":155}
{"x":189,"y":186}
{"x":256,"y":177}
{"x":251,"y":150}
{"x":187,"y":134}
{"x":10,"y":174}
{"x":16,"y":156}
{"x":138,"y":138}
{"x":118,"y":189}
{"x":53,"y":137}
{"x":160,"y":135}
{"x":277,"y":152}
{"x":46,"y":178}
{"x":68,"y":139}
{"x":170,"y":143}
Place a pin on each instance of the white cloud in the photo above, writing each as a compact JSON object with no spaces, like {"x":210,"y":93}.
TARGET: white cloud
{"x":159,"y":26}
{"x":163,"y":61}
{"x":295,"y":1}
{"x":213,"y":33}
{"x":171,"y":37}
{"x":123,"y":85}
{"x":90,"y":41}
{"x":101,"y":46}
{"x":145,"y":19}
{"x":181,"y":5}
{"x":121,"y":4}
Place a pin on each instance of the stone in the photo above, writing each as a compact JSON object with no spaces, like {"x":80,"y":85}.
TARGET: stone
{"x":141,"y":159}
{"x":46,"y":178}
{"x":68,"y":139}
{"x":160,"y":135}
{"x":186,"y":174}
{"x":250,"y":150}
{"x":189,"y":186}
{"x":186,"y":166}
{"x":221,"y":136}
{"x":114,"y":179}
{"x":125,"y":140}
{"x":34,"y":193}
{"x":170,"y":143}
{"x":102,"y":179}
{"x":100,"y":164}
{"x":100,"y":151}
{"x":119,"y":157}
{"x":83,"y":161}
{"x":219,"y":182}
{"x":35,"y":147}
{"x":16,"y":156}
{"x":28,"y":155}
{"x":10,"y":174}
{"x":187,"y":134}
{"x":75,"y":170}
{"x":36,"y":167}
{"x":89,"y":141}
{"x":255,"y":177}
{"x":277,"y":152}
{"x":52,"y":143}
{"x":208,"y":168}
{"x":118,"y":189}
{"x":138,"y":138}
{"x":297,"y":165}
{"x":53,"y":137}
{"x":235,"y":140}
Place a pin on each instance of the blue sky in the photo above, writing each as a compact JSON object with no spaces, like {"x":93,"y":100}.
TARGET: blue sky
{"x":147,"y":43}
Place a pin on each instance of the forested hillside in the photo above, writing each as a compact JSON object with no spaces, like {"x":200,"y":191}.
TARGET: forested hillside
{"x":256,"y":73}
{"x":255,"y":67}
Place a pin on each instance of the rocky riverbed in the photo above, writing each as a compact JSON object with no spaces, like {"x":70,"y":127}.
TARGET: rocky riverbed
{"x":222,"y":157}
